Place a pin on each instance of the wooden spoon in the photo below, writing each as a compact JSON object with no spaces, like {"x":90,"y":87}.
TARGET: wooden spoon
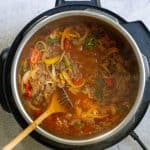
{"x":53,"y":107}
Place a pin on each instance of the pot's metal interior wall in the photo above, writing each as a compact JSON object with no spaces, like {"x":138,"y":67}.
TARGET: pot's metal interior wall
{"x":123,"y":44}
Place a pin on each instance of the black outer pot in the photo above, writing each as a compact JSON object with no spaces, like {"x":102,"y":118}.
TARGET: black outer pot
{"x":137,"y":29}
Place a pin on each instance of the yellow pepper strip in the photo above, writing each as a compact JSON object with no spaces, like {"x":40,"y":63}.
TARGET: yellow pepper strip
{"x":61,"y":57}
{"x":69,"y":33}
{"x":53,"y":72}
{"x":69,"y":81}
{"x":93,"y":113}
{"x":51,"y":61}
{"x":73,"y":90}
{"x":78,"y":111}
{"x":61,"y":78}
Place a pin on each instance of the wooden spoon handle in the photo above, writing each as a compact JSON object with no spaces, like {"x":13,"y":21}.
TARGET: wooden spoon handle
{"x":27,"y":131}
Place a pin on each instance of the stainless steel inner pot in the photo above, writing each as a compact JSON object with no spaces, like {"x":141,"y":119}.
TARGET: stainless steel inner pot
{"x":115,"y":26}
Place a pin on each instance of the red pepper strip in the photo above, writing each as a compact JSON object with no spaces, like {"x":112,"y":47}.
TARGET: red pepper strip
{"x":28,"y":90}
{"x":35,"y":56}
{"x":78,"y":82}
{"x":66,"y":44}
{"x":109,"y":82}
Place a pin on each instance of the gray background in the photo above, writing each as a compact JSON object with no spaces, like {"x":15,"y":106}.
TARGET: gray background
{"x":14,"y":14}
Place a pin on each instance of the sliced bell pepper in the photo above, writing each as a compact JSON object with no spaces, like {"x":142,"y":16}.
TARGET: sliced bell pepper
{"x":28,"y":90}
{"x":78,"y":82}
{"x":69,"y":80}
{"x":51,"y":61}
{"x":109,"y":82}
{"x":35,"y":56}
{"x":66,"y":44}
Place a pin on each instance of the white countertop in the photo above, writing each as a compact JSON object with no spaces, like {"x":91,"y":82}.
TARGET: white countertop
{"x":14,"y":14}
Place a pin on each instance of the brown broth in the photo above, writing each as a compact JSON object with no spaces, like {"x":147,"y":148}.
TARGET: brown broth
{"x":105,"y":67}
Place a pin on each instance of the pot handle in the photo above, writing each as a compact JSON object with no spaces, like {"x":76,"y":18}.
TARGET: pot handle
{"x":71,"y":2}
{"x":3,"y":100}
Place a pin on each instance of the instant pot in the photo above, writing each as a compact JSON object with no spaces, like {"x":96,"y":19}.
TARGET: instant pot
{"x":138,"y":38}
